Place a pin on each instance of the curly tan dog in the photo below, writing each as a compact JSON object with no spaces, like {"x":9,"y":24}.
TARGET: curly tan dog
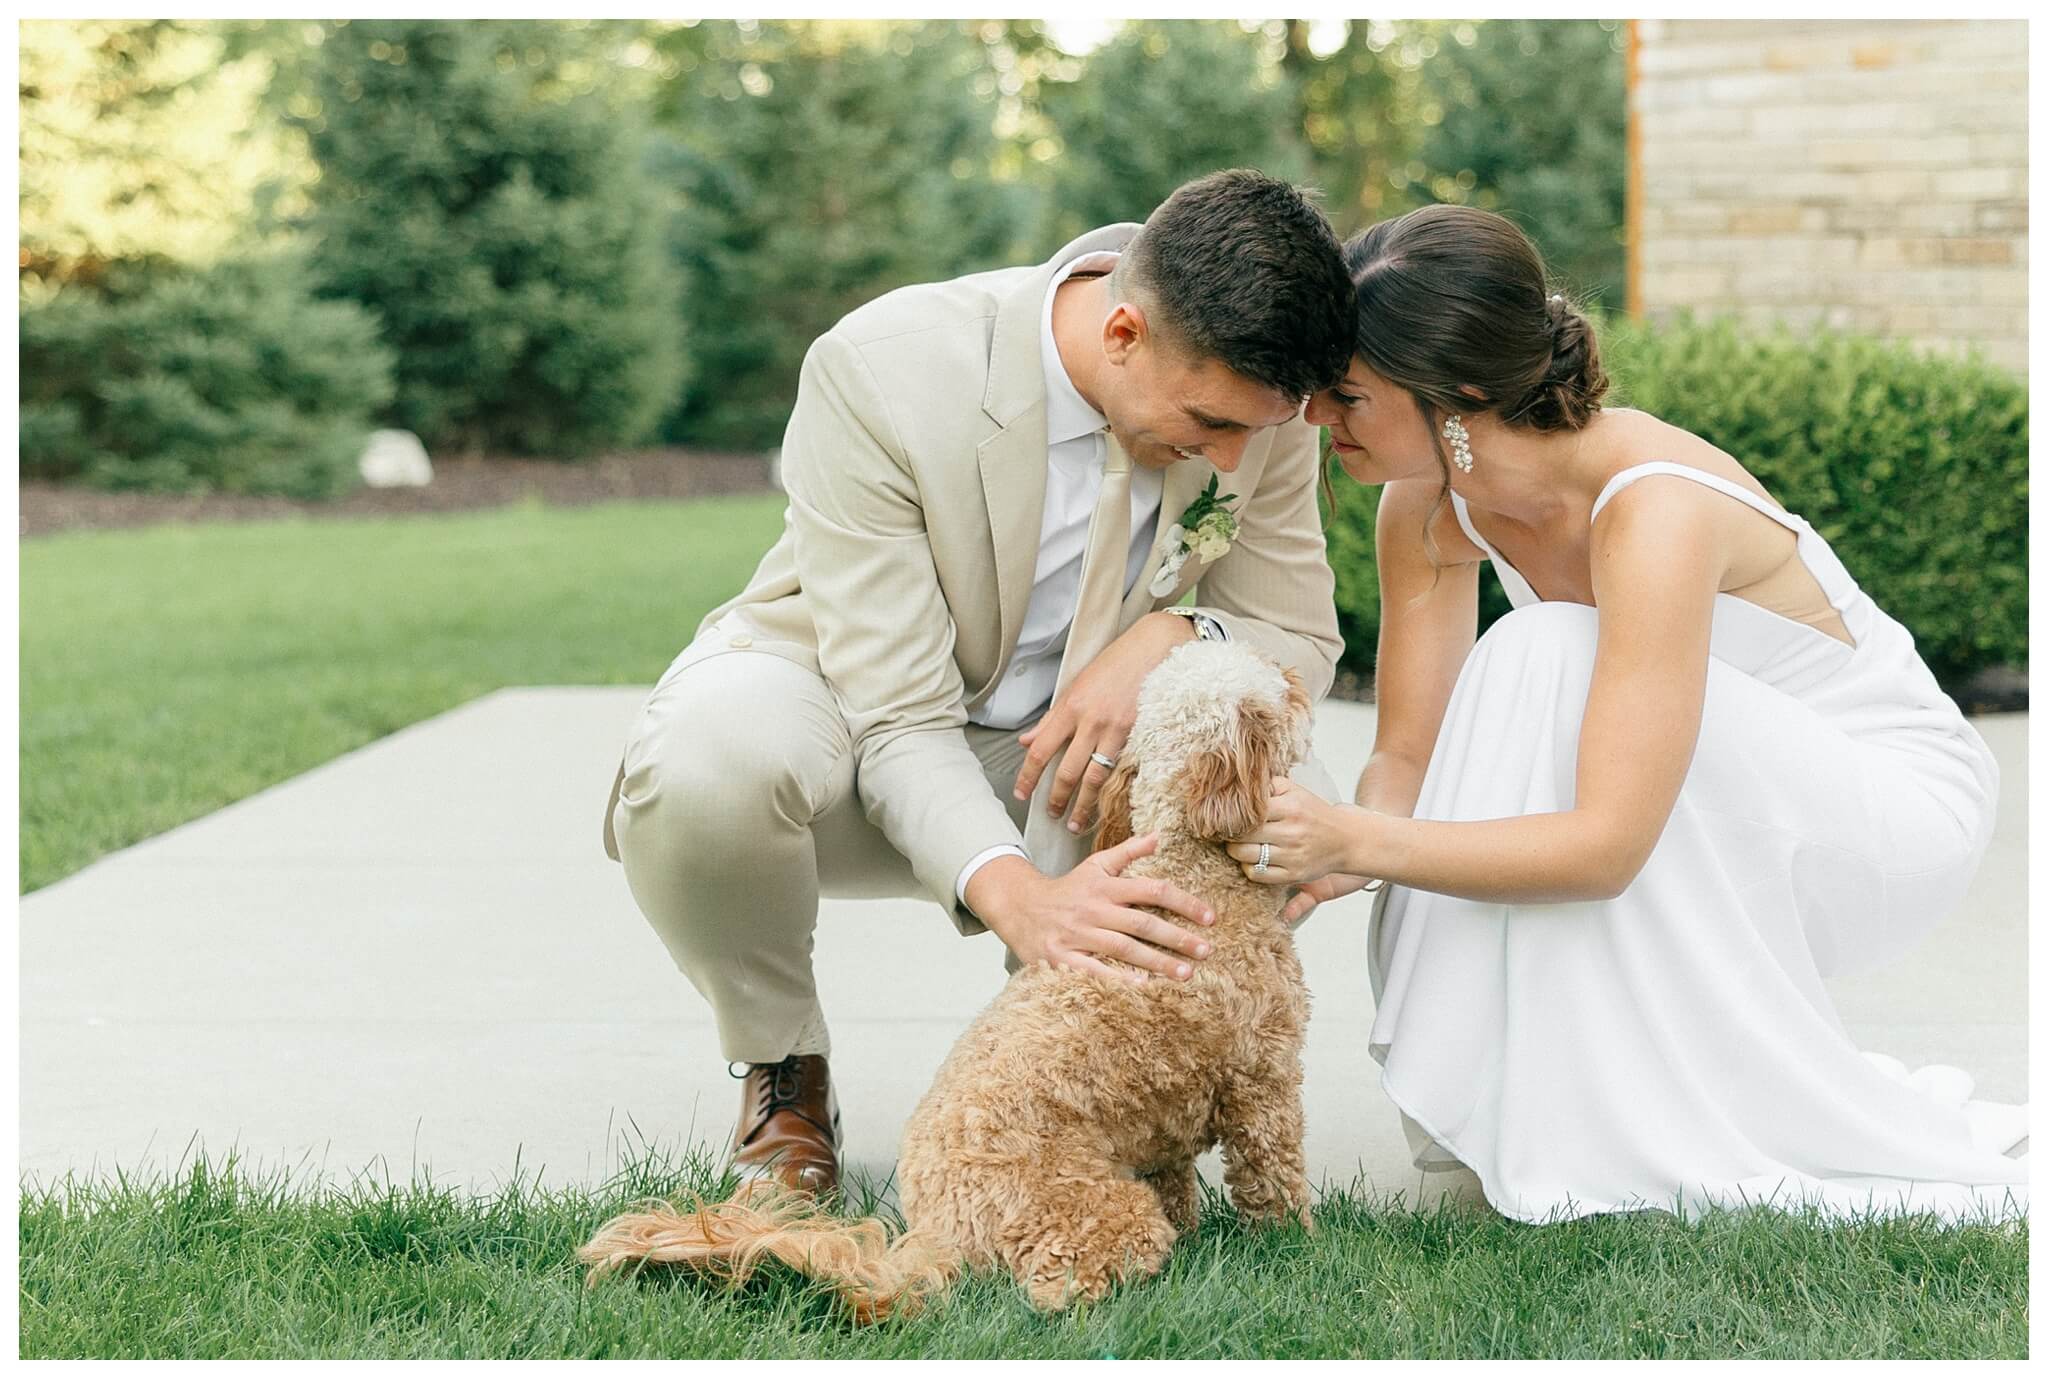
{"x":1060,"y":1135}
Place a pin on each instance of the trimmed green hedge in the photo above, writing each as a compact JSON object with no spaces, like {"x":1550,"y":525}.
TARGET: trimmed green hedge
{"x":1913,"y":466}
{"x":231,"y":378}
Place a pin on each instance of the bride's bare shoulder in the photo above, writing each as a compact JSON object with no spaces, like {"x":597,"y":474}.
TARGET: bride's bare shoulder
{"x":1635,"y":438}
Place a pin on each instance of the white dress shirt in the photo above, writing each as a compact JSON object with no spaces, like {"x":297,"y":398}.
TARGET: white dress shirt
{"x":1076,"y":453}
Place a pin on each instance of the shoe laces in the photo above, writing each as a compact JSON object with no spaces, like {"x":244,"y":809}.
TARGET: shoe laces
{"x":781,"y":1091}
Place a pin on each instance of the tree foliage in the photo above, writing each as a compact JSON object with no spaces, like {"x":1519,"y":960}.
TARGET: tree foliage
{"x":816,"y":167}
{"x":1160,"y":103}
{"x":140,"y":140}
{"x":233,"y":377}
{"x":1514,"y":137}
{"x":496,"y":220}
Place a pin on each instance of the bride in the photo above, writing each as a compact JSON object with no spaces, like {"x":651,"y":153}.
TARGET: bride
{"x":1627,"y":832}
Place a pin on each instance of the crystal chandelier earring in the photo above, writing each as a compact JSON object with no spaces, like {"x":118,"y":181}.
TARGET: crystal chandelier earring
{"x":1461,"y":442}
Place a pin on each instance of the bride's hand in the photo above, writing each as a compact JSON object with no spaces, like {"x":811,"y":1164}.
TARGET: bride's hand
{"x":1303,"y":839}
{"x":1337,"y":884}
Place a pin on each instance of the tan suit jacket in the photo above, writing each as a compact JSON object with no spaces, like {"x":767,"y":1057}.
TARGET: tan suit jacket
{"x":915,"y":464}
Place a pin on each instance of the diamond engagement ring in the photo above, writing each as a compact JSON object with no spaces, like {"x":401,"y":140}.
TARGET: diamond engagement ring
{"x":1106,"y":763}
{"x":1265,"y":858}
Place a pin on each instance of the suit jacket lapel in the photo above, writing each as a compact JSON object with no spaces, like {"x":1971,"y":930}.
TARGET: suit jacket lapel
{"x":1013,"y":463}
{"x":1013,"y":460}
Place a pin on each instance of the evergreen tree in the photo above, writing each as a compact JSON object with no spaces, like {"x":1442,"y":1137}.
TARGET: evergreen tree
{"x":497,"y":219}
{"x":819,"y":166}
{"x":1534,"y":126}
{"x":233,"y":377}
{"x":1159,"y":104}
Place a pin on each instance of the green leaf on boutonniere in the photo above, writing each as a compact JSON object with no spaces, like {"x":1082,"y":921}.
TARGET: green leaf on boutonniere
{"x":1206,"y":502}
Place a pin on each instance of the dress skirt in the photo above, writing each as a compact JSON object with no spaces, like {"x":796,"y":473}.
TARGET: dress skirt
{"x":1674,"y":1047}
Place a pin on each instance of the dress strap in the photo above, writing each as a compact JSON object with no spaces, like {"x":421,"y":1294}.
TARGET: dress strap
{"x":1519,"y":591}
{"x":1465,"y":521}
{"x":1711,"y":480}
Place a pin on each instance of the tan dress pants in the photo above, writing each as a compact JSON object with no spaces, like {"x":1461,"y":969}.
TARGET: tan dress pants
{"x":738,"y":811}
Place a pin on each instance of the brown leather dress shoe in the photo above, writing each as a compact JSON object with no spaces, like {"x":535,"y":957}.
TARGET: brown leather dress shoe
{"x":789,"y":1124}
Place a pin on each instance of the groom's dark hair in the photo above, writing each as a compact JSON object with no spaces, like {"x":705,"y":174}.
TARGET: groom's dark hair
{"x":1245,"y":270}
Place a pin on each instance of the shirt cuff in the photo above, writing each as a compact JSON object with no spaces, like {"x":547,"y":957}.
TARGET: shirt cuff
{"x":977,"y":862}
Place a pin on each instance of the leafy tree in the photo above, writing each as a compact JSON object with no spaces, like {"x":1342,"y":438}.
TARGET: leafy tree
{"x":1533,"y":126}
{"x":140,"y":140}
{"x":1362,"y":113}
{"x":487,"y":206}
{"x":1163,"y":102}
{"x":818,"y":166}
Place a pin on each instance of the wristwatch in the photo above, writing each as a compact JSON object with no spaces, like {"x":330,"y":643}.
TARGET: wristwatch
{"x":1207,"y":629}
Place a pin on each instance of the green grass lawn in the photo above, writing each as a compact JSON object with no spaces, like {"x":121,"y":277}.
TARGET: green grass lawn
{"x":165,"y":673}
{"x":170,"y":671}
{"x":214,"y":1264}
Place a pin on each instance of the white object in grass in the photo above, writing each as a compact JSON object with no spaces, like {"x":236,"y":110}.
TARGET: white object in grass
{"x":395,"y":459}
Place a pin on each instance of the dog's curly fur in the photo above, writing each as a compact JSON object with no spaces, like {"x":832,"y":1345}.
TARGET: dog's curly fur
{"x":1060,"y":1135}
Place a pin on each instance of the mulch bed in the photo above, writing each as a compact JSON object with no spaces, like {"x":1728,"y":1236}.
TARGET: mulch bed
{"x":468,"y":483}
{"x":460,"y":485}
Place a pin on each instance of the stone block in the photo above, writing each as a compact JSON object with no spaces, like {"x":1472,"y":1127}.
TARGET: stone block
{"x":1802,"y":57}
{"x":1998,"y":147}
{"x":1685,"y":286}
{"x":1980,"y":184}
{"x":1747,"y":89}
{"x":1771,"y":182}
{"x":1691,"y":122}
{"x":1683,"y":217}
{"x":1902,"y":319}
{"x":1780,"y":218}
{"x":1935,"y":284}
{"x":1998,"y":286}
{"x":1976,"y":250}
{"x":1883,"y":154}
{"x":1894,"y":184}
{"x":1935,"y":217}
{"x":2001,"y":215}
{"x":1667,"y":60}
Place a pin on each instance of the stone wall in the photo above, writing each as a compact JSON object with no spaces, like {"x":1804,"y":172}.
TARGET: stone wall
{"x":1864,"y":174}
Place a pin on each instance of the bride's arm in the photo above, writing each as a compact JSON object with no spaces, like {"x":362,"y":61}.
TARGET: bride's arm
{"x":1655,"y":572}
{"x":1656,"y":568}
{"x":1429,"y":614}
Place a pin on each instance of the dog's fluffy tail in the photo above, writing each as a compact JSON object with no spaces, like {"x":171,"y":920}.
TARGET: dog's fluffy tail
{"x":875,"y":1276}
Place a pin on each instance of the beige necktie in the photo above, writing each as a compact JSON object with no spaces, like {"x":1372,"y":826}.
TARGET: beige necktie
{"x":1053,"y":849}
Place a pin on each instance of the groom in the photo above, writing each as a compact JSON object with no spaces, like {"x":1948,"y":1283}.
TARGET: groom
{"x":924,"y":685}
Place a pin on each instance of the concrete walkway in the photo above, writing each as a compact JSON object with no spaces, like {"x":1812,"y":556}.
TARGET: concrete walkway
{"x":415,"y":960}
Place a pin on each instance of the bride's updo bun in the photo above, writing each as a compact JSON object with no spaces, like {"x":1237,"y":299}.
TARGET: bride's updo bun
{"x":1573,"y":382}
{"x":1453,"y":297}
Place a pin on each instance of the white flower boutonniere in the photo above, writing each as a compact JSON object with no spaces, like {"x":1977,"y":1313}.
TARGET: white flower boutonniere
{"x":1206,"y":529}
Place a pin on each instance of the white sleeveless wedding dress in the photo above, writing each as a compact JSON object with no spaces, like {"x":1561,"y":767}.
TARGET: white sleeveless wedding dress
{"x":1675,"y":1045}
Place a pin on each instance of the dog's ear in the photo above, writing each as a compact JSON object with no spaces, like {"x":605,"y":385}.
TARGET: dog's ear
{"x":1300,"y":711}
{"x":1228,"y":784}
{"x":1113,"y":805}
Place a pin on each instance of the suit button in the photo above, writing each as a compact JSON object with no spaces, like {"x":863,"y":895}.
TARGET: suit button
{"x":739,"y":639}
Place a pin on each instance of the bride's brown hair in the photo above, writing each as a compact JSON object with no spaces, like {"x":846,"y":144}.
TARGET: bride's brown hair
{"x":1453,"y":298}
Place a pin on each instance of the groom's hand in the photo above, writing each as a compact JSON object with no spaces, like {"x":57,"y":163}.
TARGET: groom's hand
{"x":1077,"y":920}
{"x":1095,"y":715}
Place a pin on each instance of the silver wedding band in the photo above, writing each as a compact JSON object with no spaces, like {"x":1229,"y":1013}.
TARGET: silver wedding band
{"x":1106,"y":763}
{"x":1265,"y":857}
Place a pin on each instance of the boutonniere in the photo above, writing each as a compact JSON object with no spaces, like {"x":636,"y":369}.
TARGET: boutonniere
{"x":1206,"y":529}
